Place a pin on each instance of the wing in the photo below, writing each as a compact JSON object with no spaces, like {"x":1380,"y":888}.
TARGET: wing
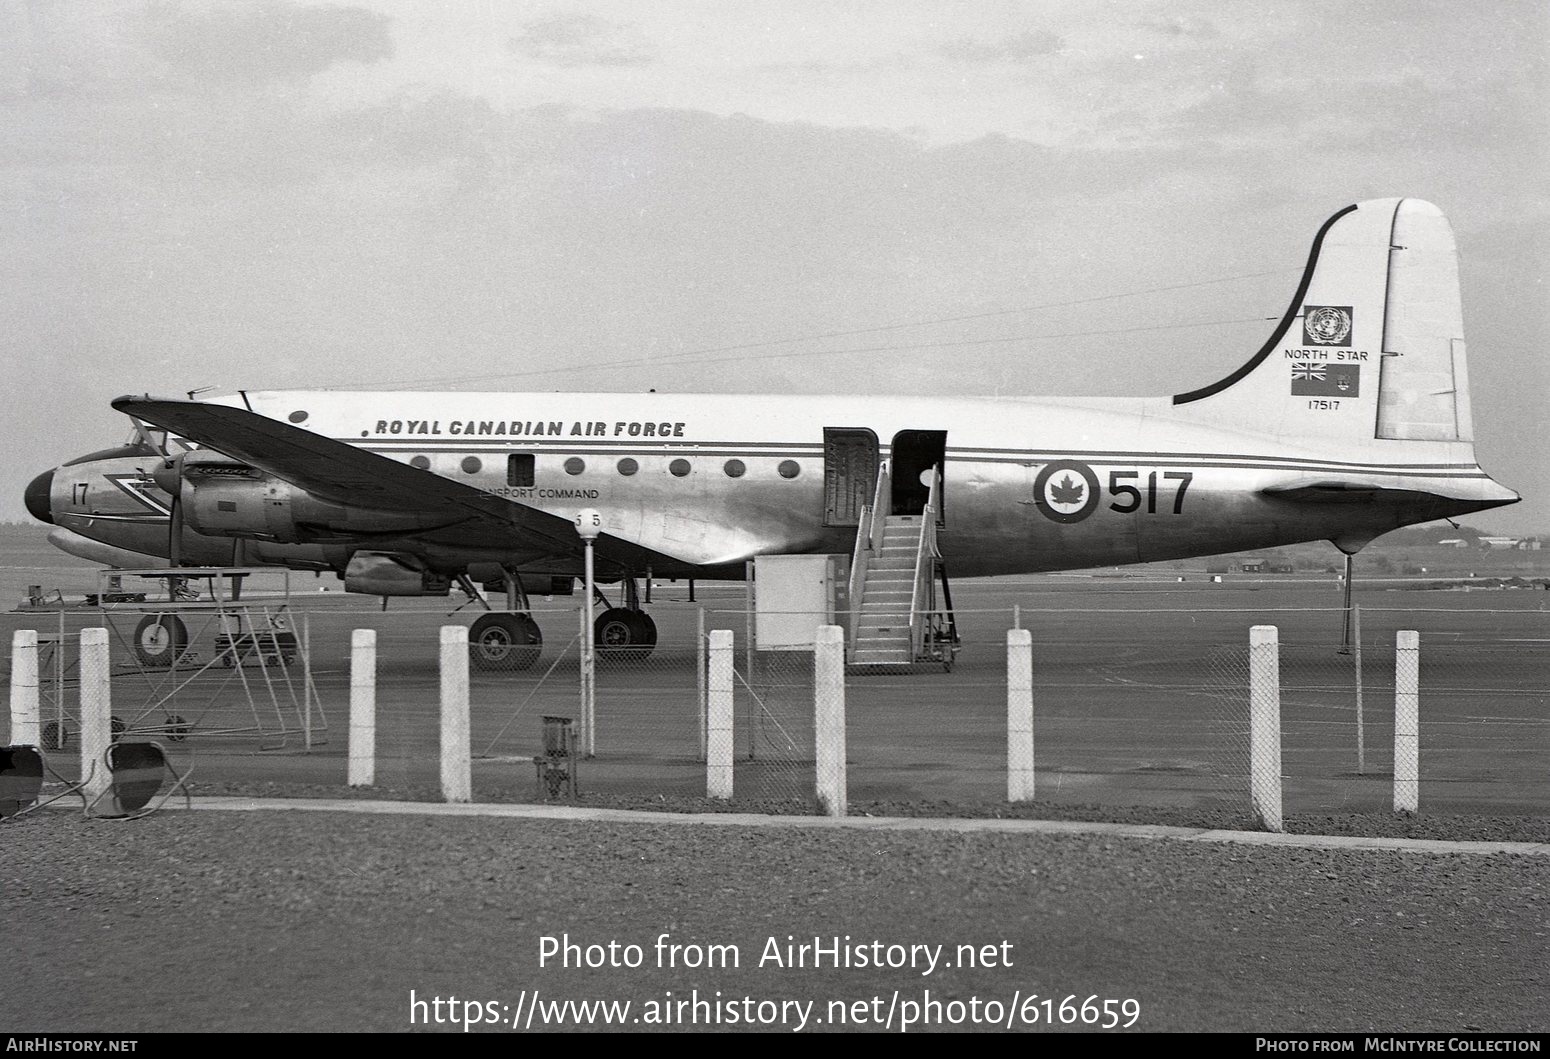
{"x":333,"y":470}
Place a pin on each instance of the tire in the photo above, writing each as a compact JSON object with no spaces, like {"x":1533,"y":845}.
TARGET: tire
{"x":159,"y":638}
{"x":647,"y":628}
{"x":625,"y":635}
{"x":505,"y":642}
{"x":176,"y":727}
{"x":116,"y":727}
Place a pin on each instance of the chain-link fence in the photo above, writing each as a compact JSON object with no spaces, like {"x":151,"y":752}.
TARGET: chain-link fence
{"x":1129,"y":706}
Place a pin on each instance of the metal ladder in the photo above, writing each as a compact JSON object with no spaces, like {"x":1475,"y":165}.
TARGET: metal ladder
{"x":894,"y":572}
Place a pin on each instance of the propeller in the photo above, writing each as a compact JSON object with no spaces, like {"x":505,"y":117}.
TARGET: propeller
{"x":168,"y":476}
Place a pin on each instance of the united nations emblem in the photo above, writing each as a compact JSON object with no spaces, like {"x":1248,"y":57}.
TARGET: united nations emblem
{"x":1326,"y":325}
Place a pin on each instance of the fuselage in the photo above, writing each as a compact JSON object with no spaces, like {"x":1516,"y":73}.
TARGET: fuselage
{"x":706,"y":481}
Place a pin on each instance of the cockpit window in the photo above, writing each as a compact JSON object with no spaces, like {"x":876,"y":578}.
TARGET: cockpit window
{"x":154,"y":441}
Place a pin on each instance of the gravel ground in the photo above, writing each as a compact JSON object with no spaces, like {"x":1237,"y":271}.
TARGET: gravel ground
{"x":327,"y":921}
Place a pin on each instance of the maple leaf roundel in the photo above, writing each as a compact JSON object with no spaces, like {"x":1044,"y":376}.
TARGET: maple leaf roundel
{"x":1066,"y":491}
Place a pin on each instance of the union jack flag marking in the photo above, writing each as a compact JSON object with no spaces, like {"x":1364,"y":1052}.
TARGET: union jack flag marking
{"x":1308,"y":371}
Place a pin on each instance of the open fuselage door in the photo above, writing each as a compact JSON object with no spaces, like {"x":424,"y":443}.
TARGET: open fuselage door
{"x":897,"y":617}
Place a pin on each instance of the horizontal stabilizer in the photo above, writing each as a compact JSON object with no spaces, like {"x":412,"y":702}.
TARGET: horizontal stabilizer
{"x":1478,"y":490}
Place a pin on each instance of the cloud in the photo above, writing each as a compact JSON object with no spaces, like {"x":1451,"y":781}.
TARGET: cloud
{"x":583,"y":40}
{"x":264,"y":41}
{"x":1019,"y":48}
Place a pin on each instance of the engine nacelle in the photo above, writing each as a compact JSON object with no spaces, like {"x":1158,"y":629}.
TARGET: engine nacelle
{"x":222,"y":497}
{"x":393,"y":574}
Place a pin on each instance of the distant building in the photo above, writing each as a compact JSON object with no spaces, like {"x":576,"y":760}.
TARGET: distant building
{"x":1252,"y":566}
{"x":1498,"y":542}
{"x":1453,"y":542}
{"x":1529,"y":544}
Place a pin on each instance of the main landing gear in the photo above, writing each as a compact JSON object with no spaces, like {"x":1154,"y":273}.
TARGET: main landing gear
{"x":628,"y":635}
{"x":510,"y":640}
{"x":504,"y":642}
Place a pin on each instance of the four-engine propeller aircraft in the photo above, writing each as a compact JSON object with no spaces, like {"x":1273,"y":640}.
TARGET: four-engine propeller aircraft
{"x":1352,"y":420}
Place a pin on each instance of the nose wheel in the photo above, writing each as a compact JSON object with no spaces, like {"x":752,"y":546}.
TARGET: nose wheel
{"x":159,"y":638}
{"x":504,"y":642}
{"x":628,"y":635}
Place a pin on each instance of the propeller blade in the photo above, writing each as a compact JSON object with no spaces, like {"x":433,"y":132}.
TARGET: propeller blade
{"x":175,"y":531}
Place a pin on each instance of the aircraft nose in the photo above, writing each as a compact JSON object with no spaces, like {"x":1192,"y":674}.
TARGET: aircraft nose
{"x":37,"y":497}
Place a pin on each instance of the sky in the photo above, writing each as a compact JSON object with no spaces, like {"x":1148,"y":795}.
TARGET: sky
{"x":990,"y":198}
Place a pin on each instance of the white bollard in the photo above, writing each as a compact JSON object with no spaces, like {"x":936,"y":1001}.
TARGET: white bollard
{"x":1407,"y":722}
{"x":1265,"y":725}
{"x":829,"y":718}
{"x":718,"y":722}
{"x":363,"y":708}
{"x":96,"y":712}
{"x":1019,"y":715}
{"x":26,"y":729}
{"x":456,"y":765}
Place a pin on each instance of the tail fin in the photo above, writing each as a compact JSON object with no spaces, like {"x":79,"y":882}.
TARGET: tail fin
{"x":1372,"y":346}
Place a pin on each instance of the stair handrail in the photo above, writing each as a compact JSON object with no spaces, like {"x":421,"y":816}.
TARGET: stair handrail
{"x":925,"y":553}
{"x":882,"y":498}
{"x":858,"y":568}
{"x":868,"y":541}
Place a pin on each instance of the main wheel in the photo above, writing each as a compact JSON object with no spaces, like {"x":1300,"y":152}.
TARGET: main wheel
{"x":159,"y":638}
{"x":505,"y":642}
{"x":625,"y":634}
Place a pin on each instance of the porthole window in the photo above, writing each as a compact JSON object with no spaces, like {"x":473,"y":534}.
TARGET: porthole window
{"x":735,"y":468}
{"x":678,"y":468}
{"x":297,"y":416}
{"x":575,"y":465}
{"x":789,"y":468}
{"x":422,"y":462}
{"x":628,"y":466}
{"x":471,"y":465}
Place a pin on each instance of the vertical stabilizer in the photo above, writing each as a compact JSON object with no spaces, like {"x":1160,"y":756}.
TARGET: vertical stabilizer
{"x":1372,"y":346}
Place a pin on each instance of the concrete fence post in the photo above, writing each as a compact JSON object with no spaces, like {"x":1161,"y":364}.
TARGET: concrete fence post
{"x":1361,"y":723}
{"x":96,"y":712}
{"x":1265,"y":725}
{"x":26,"y":728}
{"x":456,"y":781}
{"x":718,"y":721}
{"x":1407,"y":722}
{"x":363,"y":708}
{"x":1019,"y":715}
{"x":701,"y":676}
{"x":829,"y":719}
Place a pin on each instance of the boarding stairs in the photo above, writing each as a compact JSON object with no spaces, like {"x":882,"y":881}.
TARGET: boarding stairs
{"x":894,"y":617}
